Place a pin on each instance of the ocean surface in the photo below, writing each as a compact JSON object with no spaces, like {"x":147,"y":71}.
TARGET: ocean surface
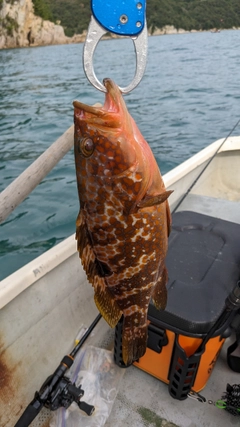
{"x":188,"y":98}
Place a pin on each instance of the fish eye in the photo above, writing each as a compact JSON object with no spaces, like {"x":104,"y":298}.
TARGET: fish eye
{"x":86,"y":146}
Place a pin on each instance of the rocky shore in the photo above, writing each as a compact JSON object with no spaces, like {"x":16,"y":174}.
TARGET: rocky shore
{"x":19,"y":27}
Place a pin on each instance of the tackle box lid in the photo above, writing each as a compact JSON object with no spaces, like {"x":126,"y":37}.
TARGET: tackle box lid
{"x":203,"y":263}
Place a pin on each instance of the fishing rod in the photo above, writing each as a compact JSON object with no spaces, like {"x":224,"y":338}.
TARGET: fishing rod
{"x":57,"y":390}
{"x":205,"y":167}
{"x":232,"y":303}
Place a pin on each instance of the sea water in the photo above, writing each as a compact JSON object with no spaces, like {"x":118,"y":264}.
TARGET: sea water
{"x":188,"y":98}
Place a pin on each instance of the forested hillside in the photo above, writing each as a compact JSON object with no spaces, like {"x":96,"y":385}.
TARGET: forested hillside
{"x":187,"y":14}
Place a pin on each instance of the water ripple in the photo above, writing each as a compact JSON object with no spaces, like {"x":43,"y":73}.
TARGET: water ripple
{"x":189,"y":97}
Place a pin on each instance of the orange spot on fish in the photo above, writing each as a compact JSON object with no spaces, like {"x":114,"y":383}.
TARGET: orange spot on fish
{"x":91,"y":179}
{"x":110,"y":153}
{"x":101,"y":149}
{"x":137,"y":187}
{"x":128,"y":181}
{"x":111,"y":164}
{"x":121,"y":166}
{"x":102,"y":158}
{"x":112,"y":220}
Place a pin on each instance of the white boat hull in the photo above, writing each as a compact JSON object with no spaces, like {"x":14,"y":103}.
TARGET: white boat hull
{"x":44,"y":305}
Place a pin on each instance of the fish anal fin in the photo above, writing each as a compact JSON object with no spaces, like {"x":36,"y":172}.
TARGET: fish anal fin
{"x":95,"y":272}
{"x":155,"y":200}
{"x":105,"y":303}
{"x":159,"y":295}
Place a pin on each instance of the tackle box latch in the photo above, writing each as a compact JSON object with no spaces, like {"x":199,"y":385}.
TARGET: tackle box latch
{"x":157,"y":338}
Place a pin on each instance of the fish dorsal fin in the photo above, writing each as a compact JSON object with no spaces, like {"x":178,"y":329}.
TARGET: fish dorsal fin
{"x":155,"y":200}
{"x":104,"y":300}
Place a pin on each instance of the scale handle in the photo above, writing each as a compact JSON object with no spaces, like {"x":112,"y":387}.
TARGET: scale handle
{"x":125,"y":18}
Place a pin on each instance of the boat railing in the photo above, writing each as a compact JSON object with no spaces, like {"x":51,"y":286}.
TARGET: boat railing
{"x":25,"y":183}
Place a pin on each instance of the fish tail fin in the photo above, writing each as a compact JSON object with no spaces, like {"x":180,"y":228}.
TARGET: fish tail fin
{"x":134,"y":337}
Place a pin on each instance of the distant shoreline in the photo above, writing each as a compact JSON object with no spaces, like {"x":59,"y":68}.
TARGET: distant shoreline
{"x":170,"y":29}
{"x":80,"y":38}
{"x":167,"y":30}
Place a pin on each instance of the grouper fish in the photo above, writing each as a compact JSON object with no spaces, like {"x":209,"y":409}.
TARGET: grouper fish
{"x":124,"y":220}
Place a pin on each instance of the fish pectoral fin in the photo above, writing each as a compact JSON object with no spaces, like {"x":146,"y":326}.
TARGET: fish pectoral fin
{"x":169,"y":219}
{"x":96,"y":273}
{"x":159,"y":295}
{"x":155,"y":200}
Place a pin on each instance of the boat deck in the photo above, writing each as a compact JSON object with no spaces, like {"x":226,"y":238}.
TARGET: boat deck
{"x":144,"y":401}
{"x":55,"y":296}
{"x":219,"y":208}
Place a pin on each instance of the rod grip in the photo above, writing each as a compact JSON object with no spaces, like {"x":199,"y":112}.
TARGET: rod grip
{"x":31,"y":411}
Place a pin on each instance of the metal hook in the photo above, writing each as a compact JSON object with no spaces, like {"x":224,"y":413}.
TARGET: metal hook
{"x":196,"y":396}
{"x":95,"y":33}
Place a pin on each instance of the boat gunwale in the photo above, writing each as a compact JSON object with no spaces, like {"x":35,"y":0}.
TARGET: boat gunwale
{"x":20,"y":280}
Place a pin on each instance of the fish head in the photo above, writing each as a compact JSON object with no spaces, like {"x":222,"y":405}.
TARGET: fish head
{"x":102,"y":135}
{"x":109,"y":147}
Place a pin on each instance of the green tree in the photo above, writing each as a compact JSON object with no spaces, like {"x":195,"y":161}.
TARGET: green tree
{"x":74,"y":15}
{"x":42,"y":9}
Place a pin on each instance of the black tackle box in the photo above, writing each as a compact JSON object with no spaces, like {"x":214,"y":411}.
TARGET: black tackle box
{"x":185,"y":339}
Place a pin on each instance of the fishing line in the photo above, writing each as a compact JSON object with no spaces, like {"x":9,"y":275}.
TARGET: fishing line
{"x":205,"y":167}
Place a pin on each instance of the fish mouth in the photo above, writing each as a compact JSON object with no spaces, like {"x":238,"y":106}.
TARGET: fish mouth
{"x":111,"y":114}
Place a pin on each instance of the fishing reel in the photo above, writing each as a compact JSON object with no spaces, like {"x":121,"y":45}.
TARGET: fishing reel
{"x":64,"y":394}
{"x":58,"y":391}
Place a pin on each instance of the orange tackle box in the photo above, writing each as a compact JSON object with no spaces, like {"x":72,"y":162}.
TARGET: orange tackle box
{"x":185,"y":339}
